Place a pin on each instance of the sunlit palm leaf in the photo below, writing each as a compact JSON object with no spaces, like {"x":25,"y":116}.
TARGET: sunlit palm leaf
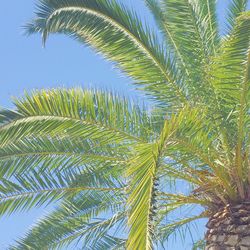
{"x":118,"y":34}
{"x":142,"y":173}
{"x":191,"y":31}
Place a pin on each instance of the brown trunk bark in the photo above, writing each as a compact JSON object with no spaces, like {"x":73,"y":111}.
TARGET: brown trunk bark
{"x":229,"y":228}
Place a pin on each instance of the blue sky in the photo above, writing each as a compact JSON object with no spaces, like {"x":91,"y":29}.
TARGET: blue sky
{"x":25,"y":65}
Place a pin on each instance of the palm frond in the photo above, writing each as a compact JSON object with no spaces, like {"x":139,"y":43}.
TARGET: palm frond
{"x":65,"y":116}
{"x":204,"y":15}
{"x":191,"y":31}
{"x":35,"y":181}
{"x":232,"y":58}
{"x":142,"y":173}
{"x":233,"y":89}
{"x":235,"y":9}
{"x":190,"y":139}
{"x":52,"y":154}
{"x":73,"y":223}
{"x":117,"y":33}
{"x":36,"y":188}
{"x":178,"y":199}
{"x":55,"y":154}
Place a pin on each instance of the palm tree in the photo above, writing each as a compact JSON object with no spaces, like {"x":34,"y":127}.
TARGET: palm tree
{"x":115,"y":170}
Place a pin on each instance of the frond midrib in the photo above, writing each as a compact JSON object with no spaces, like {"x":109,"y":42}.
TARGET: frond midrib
{"x":59,"y":190}
{"x":52,"y":153}
{"x":63,"y":118}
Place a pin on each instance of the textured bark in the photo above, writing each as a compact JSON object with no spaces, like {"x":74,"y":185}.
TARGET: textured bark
{"x":229,"y":228}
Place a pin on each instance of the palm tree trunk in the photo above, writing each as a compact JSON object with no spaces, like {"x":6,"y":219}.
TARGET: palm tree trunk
{"x":229,"y":228}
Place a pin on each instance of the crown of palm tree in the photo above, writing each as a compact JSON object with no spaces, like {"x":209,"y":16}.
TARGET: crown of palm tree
{"x":110,"y":162}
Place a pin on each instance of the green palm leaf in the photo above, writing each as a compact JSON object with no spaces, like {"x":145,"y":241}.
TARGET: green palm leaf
{"x":55,"y":154}
{"x":141,"y":195}
{"x":235,"y":9}
{"x":233,"y":90}
{"x":72,"y":222}
{"x":202,"y":22}
{"x":118,"y":34}
{"x":191,"y":31}
{"x":36,"y":188}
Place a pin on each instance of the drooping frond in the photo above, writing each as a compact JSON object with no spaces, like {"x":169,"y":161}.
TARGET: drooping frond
{"x":120,"y":36}
{"x":59,"y":129}
{"x":103,"y":112}
{"x":55,"y":153}
{"x":70,"y":129}
{"x":73,"y":224}
{"x":36,"y":189}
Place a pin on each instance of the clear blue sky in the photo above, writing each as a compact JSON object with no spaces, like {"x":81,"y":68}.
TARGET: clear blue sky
{"x":25,"y":65}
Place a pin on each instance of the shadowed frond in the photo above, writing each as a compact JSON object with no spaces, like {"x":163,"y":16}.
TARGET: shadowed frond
{"x":73,"y":222}
{"x":7,"y":115}
{"x":34,"y":190}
